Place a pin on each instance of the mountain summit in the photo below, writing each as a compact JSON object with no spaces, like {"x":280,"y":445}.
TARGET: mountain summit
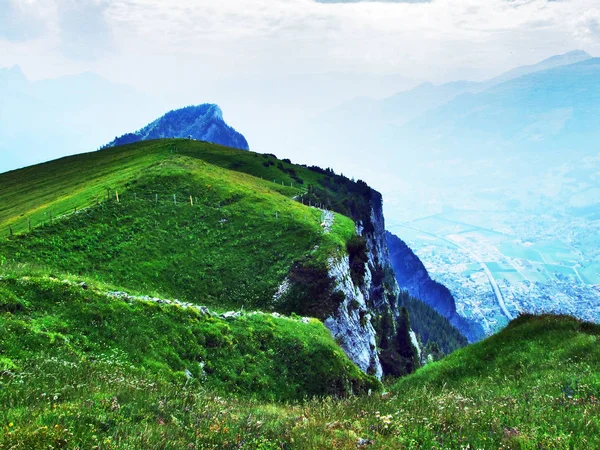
{"x":203,"y":122}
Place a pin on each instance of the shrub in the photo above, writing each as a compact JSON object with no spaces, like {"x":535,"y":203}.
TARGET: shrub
{"x":357,"y":253}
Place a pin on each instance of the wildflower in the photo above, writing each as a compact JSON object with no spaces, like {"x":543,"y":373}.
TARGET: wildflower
{"x":11,"y":424}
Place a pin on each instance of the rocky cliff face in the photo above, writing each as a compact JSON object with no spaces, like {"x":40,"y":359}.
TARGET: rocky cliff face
{"x":358,"y":324}
{"x":412,"y":276}
{"x":203,"y":122}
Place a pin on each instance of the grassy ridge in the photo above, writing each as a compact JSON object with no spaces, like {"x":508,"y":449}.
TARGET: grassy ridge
{"x":534,"y":385}
{"x":230,"y":249}
{"x":255,"y":354}
{"x":58,"y":187}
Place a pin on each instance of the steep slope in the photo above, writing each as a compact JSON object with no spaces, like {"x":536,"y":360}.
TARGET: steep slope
{"x":534,"y":384}
{"x":203,"y":122}
{"x":413,"y":277}
{"x":255,"y":354}
{"x":200,"y":222}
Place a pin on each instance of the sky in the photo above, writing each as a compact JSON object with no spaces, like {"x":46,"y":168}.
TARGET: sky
{"x":283,"y":60}
{"x":147,"y":43}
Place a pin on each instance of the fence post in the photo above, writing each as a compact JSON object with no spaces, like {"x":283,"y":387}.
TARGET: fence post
{"x":191,"y":200}
{"x":156,"y":198}
{"x":117,"y":195}
{"x":175,"y":199}
{"x":11,"y":230}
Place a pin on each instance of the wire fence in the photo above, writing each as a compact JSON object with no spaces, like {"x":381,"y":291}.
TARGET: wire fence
{"x":177,"y":200}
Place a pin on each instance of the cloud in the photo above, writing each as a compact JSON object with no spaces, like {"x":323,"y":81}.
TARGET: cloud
{"x":587,"y":27}
{"x":78,"y":28}
{"x":22,"y":20}
{"x":373,"y":1}
{"x":85,"y":33}
{"x":435,"y":40}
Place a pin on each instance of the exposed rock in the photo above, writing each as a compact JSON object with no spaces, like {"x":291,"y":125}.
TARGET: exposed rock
{"x":204,"y":310}
{"x":352,"y":324}
{"x":415,"y":343}
{"x":358,"y":341}
{"x":282,"y":289}
{"x":231,"y":315}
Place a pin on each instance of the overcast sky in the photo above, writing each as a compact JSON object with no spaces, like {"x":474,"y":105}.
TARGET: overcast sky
{"x":146,"y":43}
{"x":279,"y":61}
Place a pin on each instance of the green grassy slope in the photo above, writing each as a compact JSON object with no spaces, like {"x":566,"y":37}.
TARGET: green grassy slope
{"x":180,"y":227}
{"x":57,"y":187}
{"x":534,"y":385}
{"x":255,"y":354}
{"x":230,"y":246}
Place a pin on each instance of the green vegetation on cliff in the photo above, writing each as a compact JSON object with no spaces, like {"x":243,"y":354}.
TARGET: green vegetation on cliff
{"x":174,"y":219}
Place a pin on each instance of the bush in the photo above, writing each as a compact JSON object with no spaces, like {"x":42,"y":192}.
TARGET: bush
{"x":357,"y":253}
{"x":312,"y":291}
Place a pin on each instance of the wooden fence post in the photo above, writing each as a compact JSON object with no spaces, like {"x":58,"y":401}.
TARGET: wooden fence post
{"x":117,"y":196}
{"x":191,"y":200}
{"x":175,"y":199}
{"x":11,"y":230}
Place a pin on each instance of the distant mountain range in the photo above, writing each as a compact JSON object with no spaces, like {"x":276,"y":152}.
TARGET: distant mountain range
{"x":548,"y":103}
{"x":42,"y":120}
{"x":400,"y":108}
{"x":203,"y":122}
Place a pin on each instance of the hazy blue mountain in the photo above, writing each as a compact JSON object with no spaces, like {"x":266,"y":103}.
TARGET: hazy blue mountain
{"x":203,"y":122}
{"x":404,"y":123}
{"x":572,"y":57}
{"x":541,"y":119}
{"x":42,"y":120}
{"x":413,"y":277}
{"x":403,"y":106}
